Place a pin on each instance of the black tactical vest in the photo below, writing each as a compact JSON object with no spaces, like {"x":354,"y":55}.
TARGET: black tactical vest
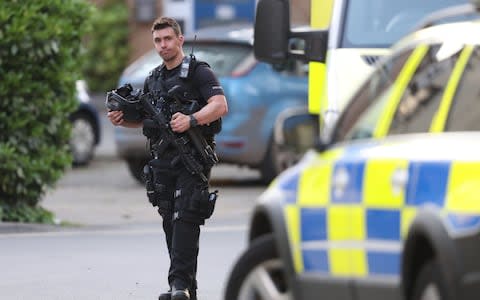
{"x":158,"y":81}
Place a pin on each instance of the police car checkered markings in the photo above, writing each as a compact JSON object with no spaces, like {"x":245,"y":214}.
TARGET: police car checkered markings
{"x":383,"y":246}
{"x":428,"y":184}
{"x":421,"y":147}
{"x":290,"y":187}
{"x":348,"y":262}
{"x":372,"y":257}
{"x":356,"y":227}
{"x":462,"y":208}
{"x":347,"y":182}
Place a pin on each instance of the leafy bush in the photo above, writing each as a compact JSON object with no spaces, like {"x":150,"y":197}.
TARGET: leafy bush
{"x":107,"y":46}
{"x":40,"y":50}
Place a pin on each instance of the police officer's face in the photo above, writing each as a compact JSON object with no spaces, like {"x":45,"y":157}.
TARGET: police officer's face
{"x":168,"y":44}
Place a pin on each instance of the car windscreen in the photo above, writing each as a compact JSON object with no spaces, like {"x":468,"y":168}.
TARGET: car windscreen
{"x":380,"y":23}
{"x":223,"y":58}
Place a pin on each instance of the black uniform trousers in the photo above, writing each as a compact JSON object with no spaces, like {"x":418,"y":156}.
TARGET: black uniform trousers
{"x":181,"y":222}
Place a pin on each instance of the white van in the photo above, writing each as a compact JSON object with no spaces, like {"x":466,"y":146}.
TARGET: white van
{"x":345,"y":39}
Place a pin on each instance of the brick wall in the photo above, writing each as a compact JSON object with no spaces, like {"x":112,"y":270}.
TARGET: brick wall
{"x":139,"y":32}
{"x":300,"y":12}
{"x":140,"y":36}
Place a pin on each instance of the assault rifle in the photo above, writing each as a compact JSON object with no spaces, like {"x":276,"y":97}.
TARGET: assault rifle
{"x":183,"y":142}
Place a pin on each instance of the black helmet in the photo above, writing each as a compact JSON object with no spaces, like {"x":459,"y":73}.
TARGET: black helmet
{"x":127,"y":100}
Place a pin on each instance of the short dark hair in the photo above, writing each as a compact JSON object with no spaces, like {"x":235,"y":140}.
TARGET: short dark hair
{"x":165,"y":22}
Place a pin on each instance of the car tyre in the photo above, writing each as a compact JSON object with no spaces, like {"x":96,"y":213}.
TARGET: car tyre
{"x":258,"y":274}
{"x":430,"y":283}
{"x":135,"y":167}
{"x":82,"y":140}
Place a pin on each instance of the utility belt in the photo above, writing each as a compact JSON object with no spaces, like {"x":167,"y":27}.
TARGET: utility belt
{"x":194,"y":203}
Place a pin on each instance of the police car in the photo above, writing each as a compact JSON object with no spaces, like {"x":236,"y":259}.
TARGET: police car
{"x":389,"y":207}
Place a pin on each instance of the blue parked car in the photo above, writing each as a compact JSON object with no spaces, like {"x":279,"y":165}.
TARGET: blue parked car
{"x":257,"y":94}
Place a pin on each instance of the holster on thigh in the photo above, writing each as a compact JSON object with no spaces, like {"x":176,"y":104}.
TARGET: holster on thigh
{"x":196,"y":205}
{"x":158,"y":191}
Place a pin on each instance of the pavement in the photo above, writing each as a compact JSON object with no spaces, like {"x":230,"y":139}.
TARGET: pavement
{"x":103,"y":194}
{"x":105,"y":151}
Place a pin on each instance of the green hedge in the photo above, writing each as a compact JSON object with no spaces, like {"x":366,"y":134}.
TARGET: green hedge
{"x":107,"y":46}
{"x":40,"y":50}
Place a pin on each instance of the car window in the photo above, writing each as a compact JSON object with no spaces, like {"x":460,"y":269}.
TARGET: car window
{"x":141,"y":67}
{"x":424,"y":92}
{"x":361,"y":115}
{"x":379,"y":23}
{"x":464,"y":114}
{"x":222,"y":58}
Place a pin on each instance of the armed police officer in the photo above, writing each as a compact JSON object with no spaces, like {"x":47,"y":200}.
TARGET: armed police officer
{"x":175,"y":184}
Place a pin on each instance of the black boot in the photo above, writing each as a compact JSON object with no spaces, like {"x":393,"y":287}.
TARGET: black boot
{"x":180,"y":294}
{"x":165,"y":296}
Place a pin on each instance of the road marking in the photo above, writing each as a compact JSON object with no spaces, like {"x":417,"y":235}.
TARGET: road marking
{"x":113,"y":231}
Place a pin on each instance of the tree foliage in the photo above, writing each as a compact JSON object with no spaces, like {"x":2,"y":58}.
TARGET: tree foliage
{"x":40,"y":60}
{"x":107,"y":46}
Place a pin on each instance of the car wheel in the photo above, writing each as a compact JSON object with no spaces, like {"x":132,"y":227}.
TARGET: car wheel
{"x":135,"y":167}
{"x":82,"y":140}
{"x":258,"y":274}
{"x":430,"y":283}
{"x":275,"y":161}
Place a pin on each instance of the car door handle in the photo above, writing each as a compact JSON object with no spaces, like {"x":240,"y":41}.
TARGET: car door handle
{"x":399,"y":180}
{"x":340,"y":181}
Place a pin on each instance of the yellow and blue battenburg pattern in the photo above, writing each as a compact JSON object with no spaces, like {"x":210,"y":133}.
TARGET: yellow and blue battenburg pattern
{"x":347,"y":215}
{"x":359,"y":231}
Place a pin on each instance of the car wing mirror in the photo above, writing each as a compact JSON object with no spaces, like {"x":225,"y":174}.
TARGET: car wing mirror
{"x":321,"y":145}
{"x":297,"y":131}
{"x":275,"y":41}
